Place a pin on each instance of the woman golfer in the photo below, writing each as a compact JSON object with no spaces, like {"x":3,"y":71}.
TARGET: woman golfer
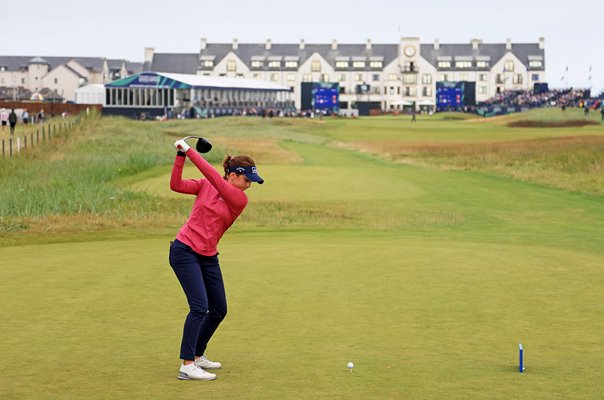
{"x":193,"y":255}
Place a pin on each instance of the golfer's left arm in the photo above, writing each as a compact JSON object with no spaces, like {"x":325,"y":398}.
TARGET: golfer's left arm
{"x":234,"y":197}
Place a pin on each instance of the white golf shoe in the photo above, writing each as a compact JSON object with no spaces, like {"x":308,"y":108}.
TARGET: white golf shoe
{"x":207,"y":364}
{"x":194,"y":372}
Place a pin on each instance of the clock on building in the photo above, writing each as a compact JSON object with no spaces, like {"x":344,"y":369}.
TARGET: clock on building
{"x":409,"y":51}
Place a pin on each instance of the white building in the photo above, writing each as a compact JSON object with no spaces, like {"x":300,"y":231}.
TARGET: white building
{"x":401,"y":73}
{"x":23,"y":76}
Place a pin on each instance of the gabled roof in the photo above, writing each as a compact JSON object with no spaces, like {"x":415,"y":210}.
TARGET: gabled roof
{"x":494,"y":52}
{"x":247,"y":51}
{"x":14,"y":63}
{"x":175,"y":62}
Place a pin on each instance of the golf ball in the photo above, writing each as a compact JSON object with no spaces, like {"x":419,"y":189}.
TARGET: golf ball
{"x":350,"y":365}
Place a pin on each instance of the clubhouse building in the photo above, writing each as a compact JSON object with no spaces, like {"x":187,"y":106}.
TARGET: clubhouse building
{"x":379,"y":76}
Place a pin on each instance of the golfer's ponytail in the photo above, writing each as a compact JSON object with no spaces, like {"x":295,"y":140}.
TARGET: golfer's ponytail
{"x":237,"y":161}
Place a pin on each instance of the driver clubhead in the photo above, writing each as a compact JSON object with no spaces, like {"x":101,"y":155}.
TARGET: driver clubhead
{"x":202,"y":146}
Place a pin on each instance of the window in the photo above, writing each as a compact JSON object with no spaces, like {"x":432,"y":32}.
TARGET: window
{"x":291,"y":64}
{"x":358,"y":64}
{"x":375,"y":64}
{"x":444,"y":77}
{"x":56,"y":80}
{"x":207,"y":64}
{"x":324,"y":77}
{"x":256,"y":76}
{"x":508,"y":66}
{"x":536,"y":64}
{"x":275,"y":77}
{"x":463,"y":77}
{"x":463,"y":64}
{"x":444,"y":64}
{"x":342,"y":78}
{"x":426,"y":79}
{"x":291,"y":77}
{"x":482,"y":89}
{"x":427,"y":91}
{"x":517,"y":79}
{"x":342,"y":89}
{"x":358,"y":77}
{"x":341,"y":64}
{"x":257,"y":64}
{"x":274,"y":64}
{"x":391,"y":90}
{"x":410,"y":78}
{"x":316,"y":66}
{"x":2,"y":69}
{"x":375,"y":77}
{"x":410,"y":91}
{"x":482,"y":77}
{"x":23,"y":81}
{"x":393,"y":77}
{"x":500,"y":78}
{"x":307,"y":78}
{"x":231,"y":65}
{"x":535,"y":77}
{"x":482,"y":64}
{"x":343,"y":105}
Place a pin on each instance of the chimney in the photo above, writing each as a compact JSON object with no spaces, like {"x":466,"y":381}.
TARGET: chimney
{"x":541,"y":43}
{"x":368,"y":45}
{"x":334,"y":44}
{"x":508,"y":44}
{"x":235,"y":44}
{"x":149,"y":54}
{"x":436,"y":44}
{"x":475,"y":43}
{"x":203,"y":44}
{"x":268,"y":44}
{"x":301,"y":44}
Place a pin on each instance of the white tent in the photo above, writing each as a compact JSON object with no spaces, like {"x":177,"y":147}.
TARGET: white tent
{"x":402,"y":103}
{"x":425,"y":103}
{"x":90,"y":94}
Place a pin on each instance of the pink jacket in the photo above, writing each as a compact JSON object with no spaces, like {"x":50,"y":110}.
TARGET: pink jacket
{"x":217,"y":206}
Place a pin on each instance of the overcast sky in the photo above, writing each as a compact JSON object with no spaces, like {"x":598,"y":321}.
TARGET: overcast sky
{"x":573,"y":31}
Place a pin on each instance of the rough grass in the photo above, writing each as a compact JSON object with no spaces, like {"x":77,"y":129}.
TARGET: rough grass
{"x":573,"y":163}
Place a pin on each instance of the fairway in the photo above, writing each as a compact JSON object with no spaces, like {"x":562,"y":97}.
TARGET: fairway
{"x":426,"y":278}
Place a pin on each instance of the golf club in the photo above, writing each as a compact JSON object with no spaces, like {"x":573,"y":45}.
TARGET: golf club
{"x":202,"y":146}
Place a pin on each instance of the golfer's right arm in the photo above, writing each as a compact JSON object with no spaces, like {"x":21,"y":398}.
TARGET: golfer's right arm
{"x":177,"y":184}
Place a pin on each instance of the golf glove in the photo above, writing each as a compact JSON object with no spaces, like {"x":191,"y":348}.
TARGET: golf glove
{"x":181,"y":145}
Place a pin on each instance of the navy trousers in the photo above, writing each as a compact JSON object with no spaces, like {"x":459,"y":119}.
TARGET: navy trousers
{"x":201,"y":280}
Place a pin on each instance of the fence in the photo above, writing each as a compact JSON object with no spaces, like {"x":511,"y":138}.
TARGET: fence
{"x":13,"y":146}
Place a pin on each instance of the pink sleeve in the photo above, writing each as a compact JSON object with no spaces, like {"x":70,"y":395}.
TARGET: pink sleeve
{"x":233,"y":196}
{"x":177,"y":184}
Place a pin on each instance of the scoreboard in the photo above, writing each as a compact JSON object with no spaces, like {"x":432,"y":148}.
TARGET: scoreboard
{"x":321,"y":96}
{"x":455,"y":95}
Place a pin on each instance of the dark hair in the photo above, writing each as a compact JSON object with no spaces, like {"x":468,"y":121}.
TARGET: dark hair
{"x":237,"y":161}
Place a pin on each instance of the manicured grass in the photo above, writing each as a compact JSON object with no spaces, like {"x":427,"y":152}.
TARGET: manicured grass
{"x":426,"y":278}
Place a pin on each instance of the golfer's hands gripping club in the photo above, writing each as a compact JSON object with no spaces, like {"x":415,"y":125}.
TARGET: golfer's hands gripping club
{"x":181,"y":145}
